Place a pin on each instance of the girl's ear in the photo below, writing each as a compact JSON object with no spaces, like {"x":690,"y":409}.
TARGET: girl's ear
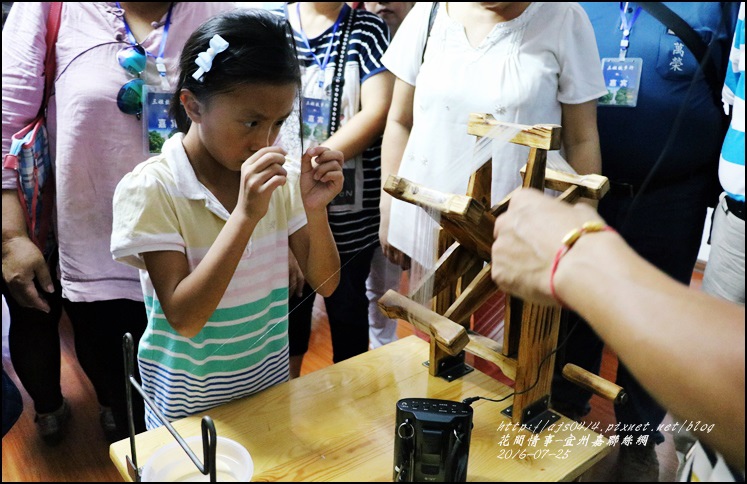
{"x":192,"y":106}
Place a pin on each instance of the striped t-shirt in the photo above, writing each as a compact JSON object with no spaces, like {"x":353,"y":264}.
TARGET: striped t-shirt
{"x":369,"y":39}
{"x":243,"y":348}
{"x":731,"y":165}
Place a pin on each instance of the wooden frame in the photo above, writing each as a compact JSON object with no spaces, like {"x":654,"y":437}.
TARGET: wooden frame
{"x":531,"y":331}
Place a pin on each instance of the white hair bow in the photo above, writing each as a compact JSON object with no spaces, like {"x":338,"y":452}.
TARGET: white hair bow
{"x":205,"y":59}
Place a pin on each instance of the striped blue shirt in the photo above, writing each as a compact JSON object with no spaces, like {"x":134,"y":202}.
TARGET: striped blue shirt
{"x":731,"y":166}
{"x":353,"y":230}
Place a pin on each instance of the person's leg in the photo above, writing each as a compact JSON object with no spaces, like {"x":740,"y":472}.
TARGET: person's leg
{"x":583,"y":348}
{"x":12,"y":403}
{"x":129,"y":317}
{"x":347,"y":307}
{"x":34,"y":339}
{"x":99,"y":329}
{"x":665,"y":227}
{"x":34,"y":344}
{"x":383,"y":276}
{"x":724,"y":272}
{"x":299,"y":327}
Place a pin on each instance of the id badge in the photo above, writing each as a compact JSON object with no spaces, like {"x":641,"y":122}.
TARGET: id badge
{"x":159,"y":125}
{"x":623,"y":80}
{"x":350,"y":198}
{"x":315,"y":115}
{"x":316,"y":110}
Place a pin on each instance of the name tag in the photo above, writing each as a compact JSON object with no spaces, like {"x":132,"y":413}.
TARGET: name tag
{"x":622,"y":78}
{"x":315,"y":114}
{"x":159,"y":125}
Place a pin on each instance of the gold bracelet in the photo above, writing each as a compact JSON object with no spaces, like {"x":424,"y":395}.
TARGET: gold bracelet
{"x":587,"y":228}
{"x":569,"y":241}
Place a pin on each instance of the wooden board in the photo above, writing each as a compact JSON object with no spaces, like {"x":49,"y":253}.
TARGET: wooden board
{"x":546,"y":136}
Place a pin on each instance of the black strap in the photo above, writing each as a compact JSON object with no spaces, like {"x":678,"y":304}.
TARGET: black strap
{"x":338,"y":81}
{"x":431,"y":19}
{"x":50,"y":60}
{"x":692,"y":40}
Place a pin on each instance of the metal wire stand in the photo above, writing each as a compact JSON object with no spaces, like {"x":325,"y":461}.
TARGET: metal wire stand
{"x":209,"y":436}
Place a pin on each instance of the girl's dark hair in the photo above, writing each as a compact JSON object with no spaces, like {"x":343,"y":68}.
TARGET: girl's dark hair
{"x":260,"y":50}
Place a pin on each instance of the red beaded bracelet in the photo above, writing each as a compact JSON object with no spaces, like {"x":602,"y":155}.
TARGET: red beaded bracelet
{"x":568,"y":241}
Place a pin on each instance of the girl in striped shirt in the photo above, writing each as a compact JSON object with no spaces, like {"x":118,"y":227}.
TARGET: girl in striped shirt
{"x":211,"y":220}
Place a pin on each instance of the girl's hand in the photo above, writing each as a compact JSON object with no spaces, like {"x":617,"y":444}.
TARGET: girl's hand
{"x":321,"y":179}
{"x":261,"y":174}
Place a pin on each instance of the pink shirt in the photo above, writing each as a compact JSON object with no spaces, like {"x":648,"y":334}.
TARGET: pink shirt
{"x":96,"y":144}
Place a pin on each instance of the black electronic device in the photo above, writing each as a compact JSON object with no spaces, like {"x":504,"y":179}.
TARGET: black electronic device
{"x":431,"y":440}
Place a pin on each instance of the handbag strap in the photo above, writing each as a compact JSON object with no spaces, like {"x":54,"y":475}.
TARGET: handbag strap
{"x":338,"y":81}
{"x":692,"y":40}
{"x":50,"y":63}
{"x":431,"y":19}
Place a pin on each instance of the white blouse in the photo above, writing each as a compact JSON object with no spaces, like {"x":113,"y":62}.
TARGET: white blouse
{"x":520,"y":73}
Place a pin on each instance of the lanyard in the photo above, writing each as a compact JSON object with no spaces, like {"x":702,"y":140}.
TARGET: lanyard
{"x":626,"y":27}
{"x":160,"y":64}
{"x":322,"y":65}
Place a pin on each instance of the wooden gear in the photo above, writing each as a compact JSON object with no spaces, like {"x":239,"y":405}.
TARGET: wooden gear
{"x":461,"y":277}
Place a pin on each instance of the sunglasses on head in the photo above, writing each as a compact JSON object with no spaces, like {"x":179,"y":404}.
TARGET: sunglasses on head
{"x":134,"y":60}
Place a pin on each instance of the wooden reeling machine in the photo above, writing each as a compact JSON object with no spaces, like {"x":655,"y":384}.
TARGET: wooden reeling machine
{"x":460,"y":280}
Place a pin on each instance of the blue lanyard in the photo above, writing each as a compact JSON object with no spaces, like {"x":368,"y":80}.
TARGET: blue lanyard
{"x":322,"y":65}
{"x":626,"y":27}
{"x":160,"y":64}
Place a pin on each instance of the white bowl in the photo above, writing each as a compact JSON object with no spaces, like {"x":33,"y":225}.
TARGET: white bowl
{"x":171,"y":464}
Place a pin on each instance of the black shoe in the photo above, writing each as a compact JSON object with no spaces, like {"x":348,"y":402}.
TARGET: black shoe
{"x":570,"y":411}
{"x":111,"y":432}
{"x":638,"y":463}
{"x":52,"y":426}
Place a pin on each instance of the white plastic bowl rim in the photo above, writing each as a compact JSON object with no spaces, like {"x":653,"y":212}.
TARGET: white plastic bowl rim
{"x":230,"y":457}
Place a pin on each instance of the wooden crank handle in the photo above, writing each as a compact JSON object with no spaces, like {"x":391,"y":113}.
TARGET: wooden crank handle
{"x":595,"y":384}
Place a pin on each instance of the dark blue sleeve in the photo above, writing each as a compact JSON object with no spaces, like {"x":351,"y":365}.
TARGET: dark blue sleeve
{"x":369,"y":40}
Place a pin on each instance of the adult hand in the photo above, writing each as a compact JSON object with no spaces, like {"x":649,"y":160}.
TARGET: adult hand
{"x":23,"y":263}
{"x":527,"y":238}
{"x":321,"y":179}
{"x":394,"y":255}
{"x":261,"y":174}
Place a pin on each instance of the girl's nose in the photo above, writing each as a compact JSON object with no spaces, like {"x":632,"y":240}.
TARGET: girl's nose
{"x":261,"y":139}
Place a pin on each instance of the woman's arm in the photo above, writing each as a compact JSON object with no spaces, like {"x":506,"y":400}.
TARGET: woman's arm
{"x":24,"y":48}
{"x":367,"y":125}
{"x":685,"y":347}
{"x":23,"y":262}
{"x":698,"y":371}
{"x":581,"y":138}
{"x":396,"y":135}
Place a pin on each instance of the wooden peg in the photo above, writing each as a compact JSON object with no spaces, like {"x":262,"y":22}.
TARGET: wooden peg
{"x":595,"y":384}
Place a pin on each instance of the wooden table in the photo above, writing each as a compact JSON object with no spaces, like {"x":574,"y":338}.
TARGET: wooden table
{"x":337,"y":424}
